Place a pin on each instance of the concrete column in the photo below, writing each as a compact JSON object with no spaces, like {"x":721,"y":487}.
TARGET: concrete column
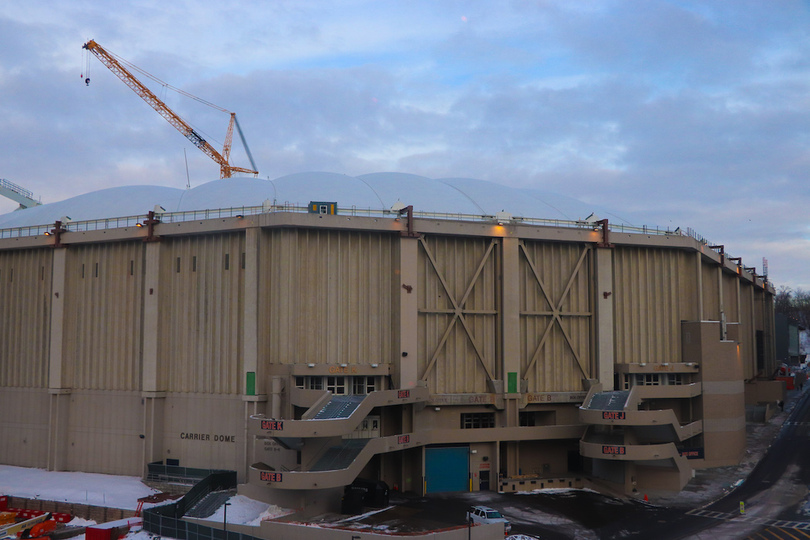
{"x":723,"y":400}
{"x":250,"y":360}
{"x":153,"y":415}
{"x":59,"y":374}
{"x":603,"y":317}
{"x":739,"y":301}
{"x":512,"y":458}
{"x":405,"y":376}
{"x":151,"y":319}
{"x":510,"y":317}
{"x":721,"y":298}
{"x":254,"y":376}
{"x":153,"y":388}
{"x":58,"y":418}
{"x":699,"y":281}
{"x":753,"y":323}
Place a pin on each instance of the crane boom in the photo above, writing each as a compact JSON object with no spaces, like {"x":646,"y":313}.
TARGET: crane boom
{"x":226,"y":170}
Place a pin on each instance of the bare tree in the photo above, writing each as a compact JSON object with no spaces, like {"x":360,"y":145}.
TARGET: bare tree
{"x":794,"y":304}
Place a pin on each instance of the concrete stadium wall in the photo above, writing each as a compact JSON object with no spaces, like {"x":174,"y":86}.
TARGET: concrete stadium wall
{"x":24,"y":427}
{"x":102,"y":316}
{"x":201,"y":314}
{"x":25,"y":309}
{"x":327,"y":297}
{"x":655,"y":289}
{"x":103,"y":432}
{"x":111,"y":338}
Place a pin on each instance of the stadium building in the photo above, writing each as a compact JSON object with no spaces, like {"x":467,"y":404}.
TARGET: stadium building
{"x":440,"y":335}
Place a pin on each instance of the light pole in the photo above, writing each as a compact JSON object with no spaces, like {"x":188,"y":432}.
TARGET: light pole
{"x":225,"y":519}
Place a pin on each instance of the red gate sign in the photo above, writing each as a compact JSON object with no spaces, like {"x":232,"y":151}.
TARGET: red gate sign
{"x":614,"y":450}
{"x":404,"y":439}
{"x":267,"y":476}
{"x":273,"y":425}
{"x":613,"y":415}
{"x":404,"y":394}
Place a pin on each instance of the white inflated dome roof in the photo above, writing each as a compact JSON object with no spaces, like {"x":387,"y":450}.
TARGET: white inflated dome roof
{"x":377,"y":191}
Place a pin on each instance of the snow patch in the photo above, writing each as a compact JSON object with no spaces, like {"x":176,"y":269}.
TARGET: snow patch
{"x":73,"y":487}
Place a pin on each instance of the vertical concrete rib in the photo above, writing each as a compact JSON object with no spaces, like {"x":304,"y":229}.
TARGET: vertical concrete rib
{"x":59,"y":376}
{"x":603,"y":320}
{"x":251,"y":315}
{"x":151,"y":323}
{"x":152,"y":384}
{"x":510,"y":317}
{"x":408,"y":313}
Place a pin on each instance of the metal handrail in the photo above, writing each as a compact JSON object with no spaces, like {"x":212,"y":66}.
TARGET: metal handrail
{"x":15,"y":188}
{"x":218,"y":213}
{"x":353,"y":211}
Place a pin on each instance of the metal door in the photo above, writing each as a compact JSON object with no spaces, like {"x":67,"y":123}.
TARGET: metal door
{"x":447,"y":469}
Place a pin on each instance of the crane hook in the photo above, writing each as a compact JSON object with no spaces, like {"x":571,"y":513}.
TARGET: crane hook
{"x":87,"y":81}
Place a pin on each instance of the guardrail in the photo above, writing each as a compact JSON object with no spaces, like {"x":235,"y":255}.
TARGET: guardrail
{"x":167,"y":520}
{"x":217,"y":213}
{"x":241,"y":211}
{"x":16,"y":189}
{"x":158,"y":472}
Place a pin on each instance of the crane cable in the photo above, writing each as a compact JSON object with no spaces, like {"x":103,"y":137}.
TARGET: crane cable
{"x":166,"y":86}
{"x":145,"y":73}
{"x":85,"y":74}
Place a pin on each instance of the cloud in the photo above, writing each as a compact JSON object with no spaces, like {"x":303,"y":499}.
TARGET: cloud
{"x":677,"y":112}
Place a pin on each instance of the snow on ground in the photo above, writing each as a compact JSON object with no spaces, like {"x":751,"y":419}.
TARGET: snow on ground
{"x":245,"y":511}
{"x":554,"y":491}
{"x":80,"y":522}
{"x":73,"y":487}
{"x":272,"y":512}
{"x":115,"y":492}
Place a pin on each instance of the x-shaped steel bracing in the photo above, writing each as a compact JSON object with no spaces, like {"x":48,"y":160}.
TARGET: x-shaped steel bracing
{"x":457,"y":310}
{"x":556,"y":312}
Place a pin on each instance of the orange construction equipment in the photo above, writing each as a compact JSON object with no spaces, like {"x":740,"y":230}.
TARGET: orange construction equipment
{"x":116,"y":64}
{"x":40,"y":530}
{"x":15,"y":529}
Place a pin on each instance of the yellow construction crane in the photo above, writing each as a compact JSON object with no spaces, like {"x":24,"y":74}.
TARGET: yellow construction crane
{"x":116,"y":65}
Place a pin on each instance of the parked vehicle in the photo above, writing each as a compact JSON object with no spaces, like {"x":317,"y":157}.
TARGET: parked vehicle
{"x":485,"y":514}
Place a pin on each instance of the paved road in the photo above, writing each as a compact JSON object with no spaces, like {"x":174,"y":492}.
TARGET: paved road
{"x":774,"y":495}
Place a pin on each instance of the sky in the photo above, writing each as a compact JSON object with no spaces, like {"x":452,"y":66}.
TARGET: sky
{"x":691,"y":114}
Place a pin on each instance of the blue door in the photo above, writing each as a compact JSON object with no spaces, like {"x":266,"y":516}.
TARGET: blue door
{"x":447,"y":469}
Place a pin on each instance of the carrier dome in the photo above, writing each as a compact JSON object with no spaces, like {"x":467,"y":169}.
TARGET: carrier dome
{"x":376,"y":191}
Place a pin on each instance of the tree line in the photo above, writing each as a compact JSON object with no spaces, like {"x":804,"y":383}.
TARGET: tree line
{"x":794,"y":304}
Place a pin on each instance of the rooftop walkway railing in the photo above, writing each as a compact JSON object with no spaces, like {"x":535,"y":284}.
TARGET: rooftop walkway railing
{"x":218,"y":213}
{"x":69,"y":225}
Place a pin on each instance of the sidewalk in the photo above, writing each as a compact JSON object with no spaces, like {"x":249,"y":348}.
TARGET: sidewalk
{"x":709,"y":485}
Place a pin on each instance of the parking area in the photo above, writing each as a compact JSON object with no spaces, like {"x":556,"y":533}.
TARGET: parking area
{"x":548,"y":514}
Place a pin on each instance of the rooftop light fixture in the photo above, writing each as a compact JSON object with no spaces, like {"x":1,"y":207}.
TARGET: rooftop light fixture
{"x":398,"y":206}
